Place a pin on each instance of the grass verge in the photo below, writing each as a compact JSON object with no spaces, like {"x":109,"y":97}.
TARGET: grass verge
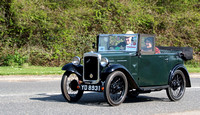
{"x":30,"y":70}
{"x":192,"y":69}
{"x":39,"y":70}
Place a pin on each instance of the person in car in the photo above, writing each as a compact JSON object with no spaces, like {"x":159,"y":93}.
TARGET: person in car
{"x":127,"y":40}
{"x":148,"y":46}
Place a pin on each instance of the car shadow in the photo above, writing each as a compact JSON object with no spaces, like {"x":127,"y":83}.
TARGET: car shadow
{"x":95,"y":99}
{"x":49,"y":97}
{"x":144,"y":98}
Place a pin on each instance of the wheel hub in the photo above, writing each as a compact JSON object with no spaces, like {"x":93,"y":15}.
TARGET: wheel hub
{"x":116,"y":87}
{"x":73,"y":85}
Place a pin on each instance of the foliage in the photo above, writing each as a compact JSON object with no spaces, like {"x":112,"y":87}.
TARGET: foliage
{"x":13,"y":60}
{"x":51,"y":32}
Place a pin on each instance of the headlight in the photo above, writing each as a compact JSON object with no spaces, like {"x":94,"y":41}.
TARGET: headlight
{"x":104,"y":62}
{"x":76,"y":60}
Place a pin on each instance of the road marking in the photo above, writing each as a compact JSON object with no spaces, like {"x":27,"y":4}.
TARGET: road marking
{"x":28,"y":94}
{"x":195,"y":112}
{"x":12,"y":95}
{"x":43,"y":94}
{"x":195,"y":87}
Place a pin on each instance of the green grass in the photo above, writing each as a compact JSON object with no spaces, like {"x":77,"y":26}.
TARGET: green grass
{"x":192,"y":69}
{"x":39,"y":70}
{"x":30,"y":70}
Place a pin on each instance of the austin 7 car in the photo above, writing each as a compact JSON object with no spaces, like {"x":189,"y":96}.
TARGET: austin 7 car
{"x":126,"y":65}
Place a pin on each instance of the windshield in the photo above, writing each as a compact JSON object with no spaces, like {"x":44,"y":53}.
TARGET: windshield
{"x":118,"y":42}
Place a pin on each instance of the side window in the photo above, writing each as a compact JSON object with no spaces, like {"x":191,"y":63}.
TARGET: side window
{"x":147,"y":44}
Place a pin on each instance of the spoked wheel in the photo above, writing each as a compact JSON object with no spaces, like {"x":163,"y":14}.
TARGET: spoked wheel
{"x":69,"y":87}
{"x":116,"y":88}
{"x":177,"y":85}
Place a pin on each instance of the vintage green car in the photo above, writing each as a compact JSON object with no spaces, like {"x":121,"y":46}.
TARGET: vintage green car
{"x":127,"y":65}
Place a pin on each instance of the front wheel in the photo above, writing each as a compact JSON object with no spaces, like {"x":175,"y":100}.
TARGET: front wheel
{"x":69,"y":89}
{"x":116,"y":87}
{"x":177,"y":85}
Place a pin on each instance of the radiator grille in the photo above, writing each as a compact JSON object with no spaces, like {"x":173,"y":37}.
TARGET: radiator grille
{"x":91,"y":68}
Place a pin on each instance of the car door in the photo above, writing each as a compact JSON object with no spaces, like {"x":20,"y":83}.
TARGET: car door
{"x":152,"y":68}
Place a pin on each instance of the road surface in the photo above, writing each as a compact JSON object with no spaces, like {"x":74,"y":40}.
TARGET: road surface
{"x":41,"y":95}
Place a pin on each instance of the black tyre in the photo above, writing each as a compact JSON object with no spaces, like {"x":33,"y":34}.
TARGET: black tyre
{"x":177,"y":85}
{"x":69,"y":87}
{"x":116,"y":87}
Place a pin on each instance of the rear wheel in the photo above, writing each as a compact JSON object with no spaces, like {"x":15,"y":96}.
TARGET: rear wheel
{"x":177,"y":85}
{"x":116,"y":87}
{"x":69,"y":89}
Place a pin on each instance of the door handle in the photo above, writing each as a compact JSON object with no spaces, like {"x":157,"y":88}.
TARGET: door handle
{"x":166,"y":59}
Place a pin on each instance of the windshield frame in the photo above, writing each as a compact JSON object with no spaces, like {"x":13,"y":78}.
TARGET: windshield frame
{"x":134,"y":36}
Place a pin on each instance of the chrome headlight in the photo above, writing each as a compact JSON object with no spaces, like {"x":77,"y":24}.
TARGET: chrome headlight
{"x":104,"y":62}
{"x":76,"y":60}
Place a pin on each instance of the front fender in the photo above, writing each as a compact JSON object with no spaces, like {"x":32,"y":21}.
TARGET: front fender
{"x":73,"y":69}
{"x":185,"y":72}
{"x":118,"y":67}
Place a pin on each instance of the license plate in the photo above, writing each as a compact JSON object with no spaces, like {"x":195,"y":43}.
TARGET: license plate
{"x":90,"y":87}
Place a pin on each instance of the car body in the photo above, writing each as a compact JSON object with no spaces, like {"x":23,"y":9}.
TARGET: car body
{"x":118,"y":69}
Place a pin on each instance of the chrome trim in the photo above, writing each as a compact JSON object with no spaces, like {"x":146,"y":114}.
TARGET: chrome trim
{"x":107,"y":62}
{"x":134,"y":65}
{"x":111,"y":61}
{"x":79,"y":61}
{"x":99,"y":60}
{"x":121,"y":60}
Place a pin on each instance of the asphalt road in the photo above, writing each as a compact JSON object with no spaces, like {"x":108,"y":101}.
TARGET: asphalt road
{"x":42,"y":95}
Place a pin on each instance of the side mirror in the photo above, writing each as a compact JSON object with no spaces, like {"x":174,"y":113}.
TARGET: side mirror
{"x":93,"y":45}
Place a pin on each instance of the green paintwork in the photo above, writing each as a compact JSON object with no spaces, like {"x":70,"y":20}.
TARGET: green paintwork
{"x":153,"y":70}
{"x":128,"y":60}
{"x":147,"y":69}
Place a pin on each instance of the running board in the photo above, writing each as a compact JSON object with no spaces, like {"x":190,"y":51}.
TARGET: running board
{"x":154,"y":88}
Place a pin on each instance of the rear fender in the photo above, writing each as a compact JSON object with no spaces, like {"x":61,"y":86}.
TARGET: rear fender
{"x":70,"y":68}
{"x":185,"y":72}
{"x":118,"y":67}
